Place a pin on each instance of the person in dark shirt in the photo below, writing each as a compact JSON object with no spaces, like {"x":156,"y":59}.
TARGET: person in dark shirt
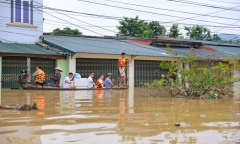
{"x":56,"y":79}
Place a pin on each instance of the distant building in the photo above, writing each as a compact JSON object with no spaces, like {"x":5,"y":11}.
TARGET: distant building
{"x":20,"y":21}
{"x":229,"y":37}
{"x":21,"y":27}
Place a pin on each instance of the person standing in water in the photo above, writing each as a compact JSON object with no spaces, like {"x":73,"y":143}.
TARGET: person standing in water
{"x":121,"y":66}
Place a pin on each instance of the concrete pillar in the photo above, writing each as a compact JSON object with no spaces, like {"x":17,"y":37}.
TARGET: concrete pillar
{"x":72,"y":64}
{"x":63,"y":63}
{"x":186,"y":66}
{"x":236,"y":85}
{"x":29,"y":68}
{"x":0,"y":80}
{"x":130,"y":74}
{"x":131,"y":100}
{"x":178,"y":74}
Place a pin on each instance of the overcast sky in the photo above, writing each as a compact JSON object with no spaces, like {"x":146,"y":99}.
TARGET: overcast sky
{"x":51,"y":23}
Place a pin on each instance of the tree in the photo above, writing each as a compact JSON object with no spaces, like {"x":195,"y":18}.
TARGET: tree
{"x":216,"y":38}
{"x":198,"y":33}
{"x":157,"y":29}
{"x":133,"y":27}
{"x":205,"y":78}
{"x":174,"y":32}
{"x":67,"y":30}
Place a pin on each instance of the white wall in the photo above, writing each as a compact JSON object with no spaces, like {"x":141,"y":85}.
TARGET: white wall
{"x":72,"y":64}
{"x":26,"y":35}
{"x":236,"y":85}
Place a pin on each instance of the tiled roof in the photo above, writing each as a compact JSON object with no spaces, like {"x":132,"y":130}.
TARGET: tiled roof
{"x":103,"y":46}
{"x":24,"y":49}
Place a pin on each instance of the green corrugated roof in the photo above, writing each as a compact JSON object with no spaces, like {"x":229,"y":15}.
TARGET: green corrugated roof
{"x":24,"y":49}
{"x":208,"y":42}
{"x":103,"y":46}
{"x":227,"y":49}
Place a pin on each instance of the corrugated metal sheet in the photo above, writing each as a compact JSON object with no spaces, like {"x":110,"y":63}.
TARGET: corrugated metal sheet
{"x":207,"y":42}
{"x":202,"y":53}
{"x":227,"y":49}
{"x":104,"y":46}
{"x":24,"y":49}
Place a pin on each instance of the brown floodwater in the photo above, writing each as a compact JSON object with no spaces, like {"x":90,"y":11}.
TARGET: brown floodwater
{"x":117,"y":116}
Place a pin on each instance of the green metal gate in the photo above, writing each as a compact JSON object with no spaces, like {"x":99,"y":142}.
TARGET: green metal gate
{"x":11,"y":67}
{"x":146,"y":71}
{"x":99,"y":66}
{"x":47,"y":65}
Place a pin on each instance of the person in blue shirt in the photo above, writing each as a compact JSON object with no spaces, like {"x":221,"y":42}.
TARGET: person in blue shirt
{"x":108,"y":83}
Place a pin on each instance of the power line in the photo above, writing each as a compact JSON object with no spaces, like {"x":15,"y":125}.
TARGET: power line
{"x":226,"y":26}
{"x":172,"y":10}
{"x":203,"y":5}
{"x":95,"y":26}
{"x":67,"y":21}
{"x":18,"y":33}
{"x":86,"y":22}
{"x":148,"y":12}
{"x":224,"y":1}
{"x":238,"y":36}
{"x":120,"y":18}
{"x":204,"y":14}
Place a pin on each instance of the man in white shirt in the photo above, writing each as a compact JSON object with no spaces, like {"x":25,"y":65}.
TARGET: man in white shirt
{"x":91,"y":84}
{"x":68,"y":81}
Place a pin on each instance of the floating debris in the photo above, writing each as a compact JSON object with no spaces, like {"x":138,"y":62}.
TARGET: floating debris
{"x":177,"y":124}
{"x":24,"y":107}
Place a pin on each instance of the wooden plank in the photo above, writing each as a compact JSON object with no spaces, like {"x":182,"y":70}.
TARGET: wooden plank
{"x":38,"y":87}
{"x":76,"y":89}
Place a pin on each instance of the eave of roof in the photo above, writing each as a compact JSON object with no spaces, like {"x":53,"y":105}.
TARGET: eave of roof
{"x":16,"y":48}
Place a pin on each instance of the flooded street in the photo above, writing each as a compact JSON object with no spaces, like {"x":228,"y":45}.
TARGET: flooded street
{"x":116,"y":116}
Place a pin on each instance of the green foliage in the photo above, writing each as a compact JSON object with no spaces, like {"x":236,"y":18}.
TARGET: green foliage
{"x":174,"y":32}
{"x":201,"y":78}
{"x":216,"y":38}
{"x":67,"y":30}
{"x":157,"y":29}
{"x":198,"y":33}
{"x":135,"y":27}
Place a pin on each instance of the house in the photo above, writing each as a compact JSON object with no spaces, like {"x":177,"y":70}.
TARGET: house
{"x":20,"y":28}
{"x":100,"y":54}
{"x":20,"y":21}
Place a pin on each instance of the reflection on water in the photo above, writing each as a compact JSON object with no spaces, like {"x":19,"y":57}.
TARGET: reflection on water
{"x":117,"y":116}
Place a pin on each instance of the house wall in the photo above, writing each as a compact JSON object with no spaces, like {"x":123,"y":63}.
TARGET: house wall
{"x":17,"y":31}
{"x":13,"y":65}
{"x":64,"y":64}
{"x":72,"y":64}
{"x":130,"y":69}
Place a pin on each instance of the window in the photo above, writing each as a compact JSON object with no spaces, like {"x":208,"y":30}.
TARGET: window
{"x":25,"y":12}
{"x":18,"y":11}
{"x":22,"y":10}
